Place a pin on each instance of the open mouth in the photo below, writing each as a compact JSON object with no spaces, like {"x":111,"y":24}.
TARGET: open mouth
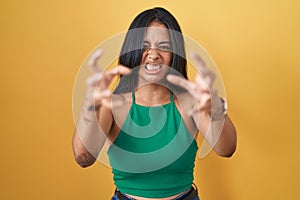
{"x":153,"y":68}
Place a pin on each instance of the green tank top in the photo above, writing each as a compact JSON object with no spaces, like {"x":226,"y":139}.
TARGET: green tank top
{"x":154,"y":154}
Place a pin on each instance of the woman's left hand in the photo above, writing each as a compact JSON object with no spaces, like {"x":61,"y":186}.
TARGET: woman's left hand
{"x":201,"y":89}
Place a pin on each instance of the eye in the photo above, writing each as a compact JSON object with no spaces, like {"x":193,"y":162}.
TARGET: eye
{"x":164,"y":48}
{"x":146,"y":46}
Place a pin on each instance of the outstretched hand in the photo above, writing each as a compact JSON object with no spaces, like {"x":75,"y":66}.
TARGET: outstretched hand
{"x":98,"y":93}
{"x":201,"y":89}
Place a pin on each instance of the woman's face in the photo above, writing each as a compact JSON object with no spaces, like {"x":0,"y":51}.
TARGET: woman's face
{"x":157,"y":53}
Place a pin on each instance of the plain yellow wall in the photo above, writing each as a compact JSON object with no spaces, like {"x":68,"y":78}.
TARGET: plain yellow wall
{"x":254,"y":43}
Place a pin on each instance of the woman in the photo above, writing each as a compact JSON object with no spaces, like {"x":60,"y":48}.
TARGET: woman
{"x":154,"y":115}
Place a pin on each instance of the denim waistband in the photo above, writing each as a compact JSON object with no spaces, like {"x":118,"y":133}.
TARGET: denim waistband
{"x":191,"y":194}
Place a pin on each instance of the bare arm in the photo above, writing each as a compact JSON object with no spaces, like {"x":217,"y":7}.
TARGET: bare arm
{"x":220,"y":132}
{"x":88,"y":139}
{"x":95,"y":121}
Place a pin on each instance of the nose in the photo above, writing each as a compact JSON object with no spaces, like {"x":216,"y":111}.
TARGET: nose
{"x":152,"y":54}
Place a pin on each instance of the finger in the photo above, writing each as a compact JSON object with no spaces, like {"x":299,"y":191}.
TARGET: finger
{"x":182,"y":82}
{"x":210,"y":78}
{"x":214,"y":93}
{"x":93,"y":60}
{"x":108,"y":103}
{"x":203,"y":70}
{"x":197,"y":108}
{"x":203,"y":105}
{"x":93,"y":80}
{"x":119,"y":70}
{"x":114,"y":103}
{"x":200,"y":64}
{"x":110,"y":74}
{"x":104,"y":98}
{"x":99,"y":95}
{"x":202,"y":82}
{"x":205,"y":82}
{"x":204,"y":99}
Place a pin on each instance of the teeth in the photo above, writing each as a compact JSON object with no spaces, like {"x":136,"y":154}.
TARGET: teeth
{"x":152,"y":67}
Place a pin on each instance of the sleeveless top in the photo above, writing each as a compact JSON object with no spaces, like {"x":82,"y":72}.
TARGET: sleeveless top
{"x":154,"y":153}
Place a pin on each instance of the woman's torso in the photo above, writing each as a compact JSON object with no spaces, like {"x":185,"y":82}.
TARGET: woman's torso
{"x":120,"y":114}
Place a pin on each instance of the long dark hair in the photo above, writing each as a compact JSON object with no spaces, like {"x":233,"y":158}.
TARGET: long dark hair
{"x":132,"y":49}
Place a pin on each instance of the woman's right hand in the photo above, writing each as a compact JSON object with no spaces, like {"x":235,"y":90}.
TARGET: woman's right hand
{"x":98,"y":94}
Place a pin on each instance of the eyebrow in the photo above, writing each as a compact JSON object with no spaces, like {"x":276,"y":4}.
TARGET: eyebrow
{"x":163,"y":42}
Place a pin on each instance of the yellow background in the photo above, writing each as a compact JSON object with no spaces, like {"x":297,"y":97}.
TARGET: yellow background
{"x":254,"y":43}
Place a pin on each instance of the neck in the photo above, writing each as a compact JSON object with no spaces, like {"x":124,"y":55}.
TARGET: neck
{"x":152,"y":94}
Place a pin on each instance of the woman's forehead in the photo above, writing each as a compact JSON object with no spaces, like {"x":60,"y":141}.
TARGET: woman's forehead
{"x":156,"y":33}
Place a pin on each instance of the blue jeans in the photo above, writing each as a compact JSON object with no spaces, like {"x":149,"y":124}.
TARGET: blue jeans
{"x":115,"y":197}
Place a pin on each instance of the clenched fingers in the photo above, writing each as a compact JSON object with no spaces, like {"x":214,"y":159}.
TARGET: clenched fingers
{"x":206,"y":74}
{"x":182,"y":82}
{"x":108,"y":76}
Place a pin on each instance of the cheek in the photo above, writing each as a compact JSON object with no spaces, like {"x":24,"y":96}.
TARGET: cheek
{"x":143,"y":57}
{"x":168,"y":59}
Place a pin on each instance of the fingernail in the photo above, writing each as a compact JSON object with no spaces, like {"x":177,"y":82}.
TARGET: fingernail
{"x":169,"y":77}
{"x":98,"y":52}
{"x":94,"y":55}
